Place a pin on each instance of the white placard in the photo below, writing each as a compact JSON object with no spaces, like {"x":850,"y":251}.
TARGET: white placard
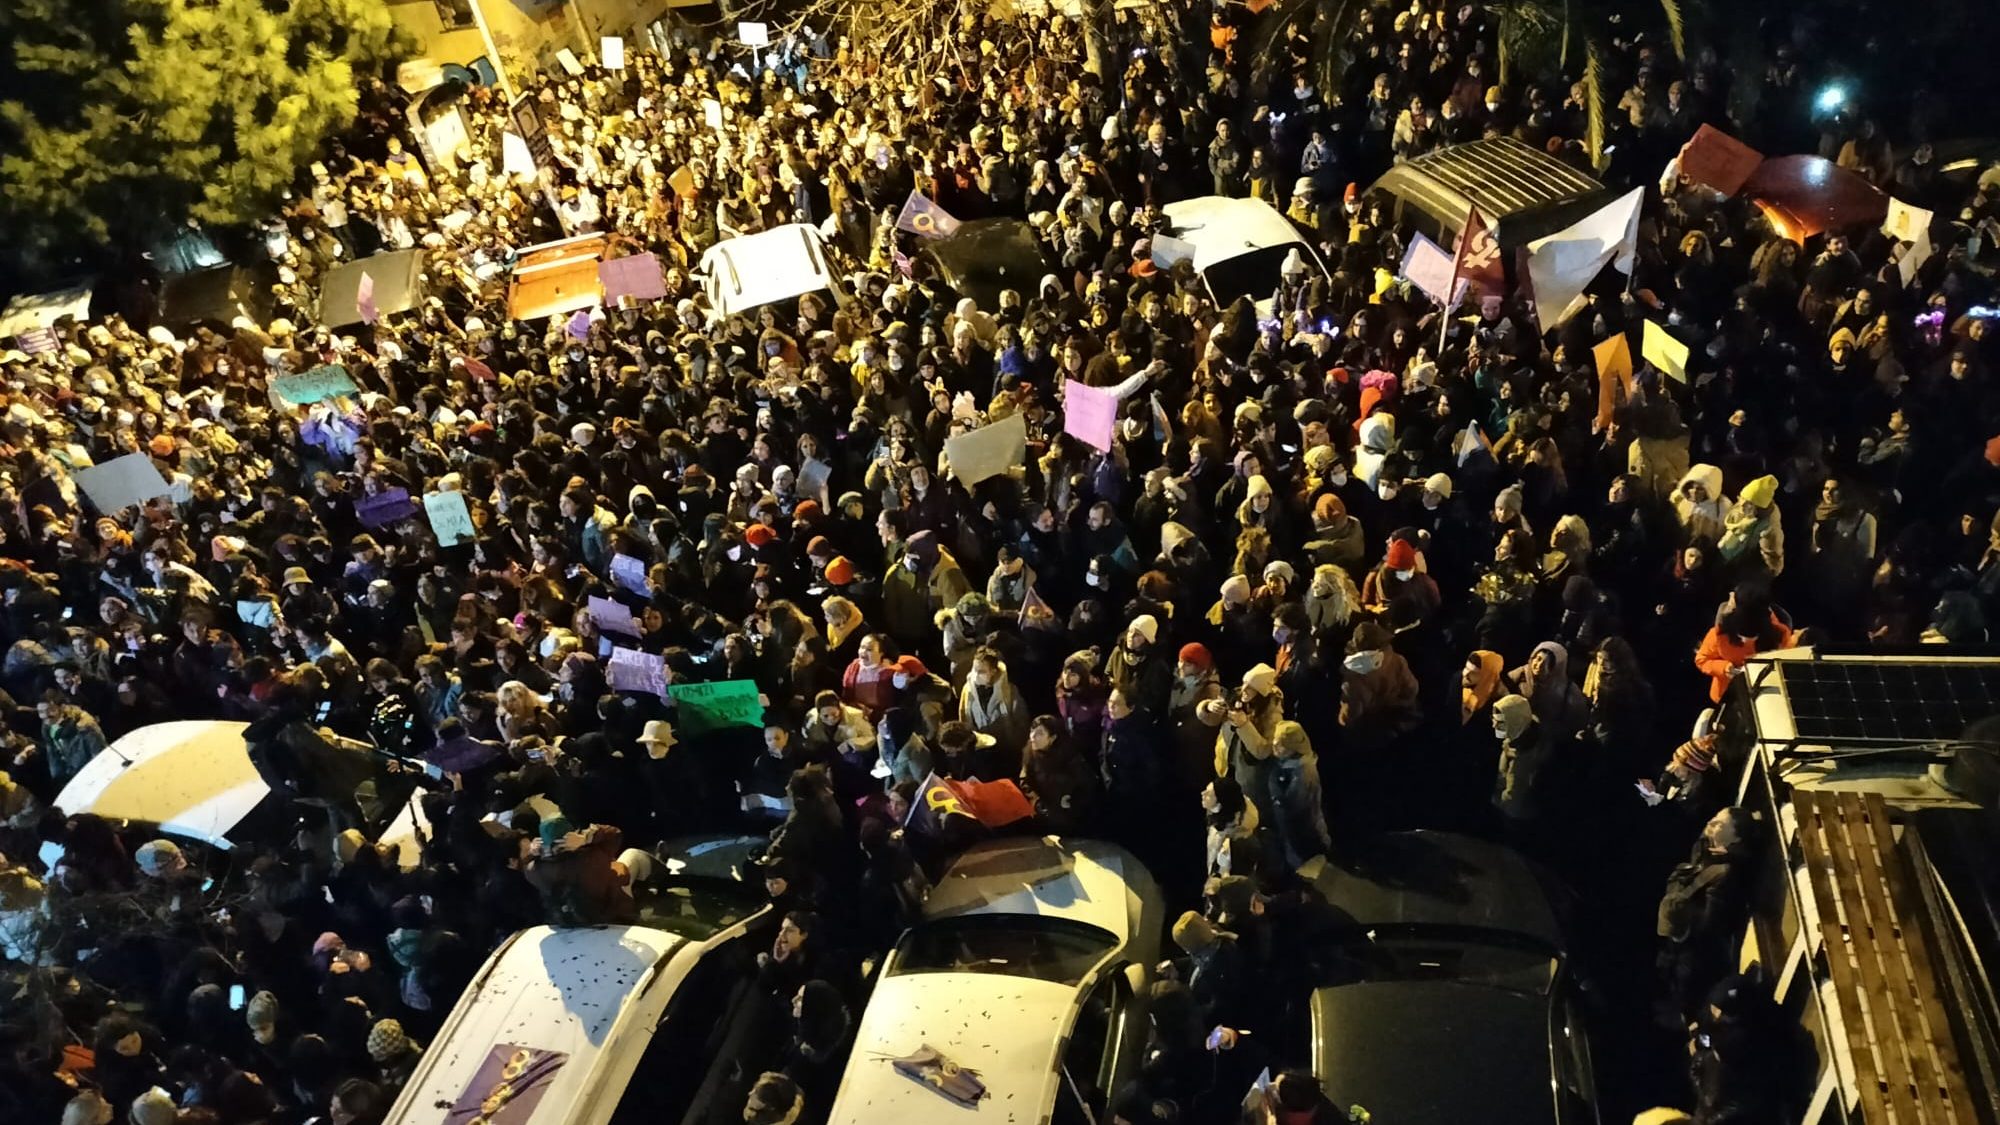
{"x":611,"y":52}
{"x":754,"y":34}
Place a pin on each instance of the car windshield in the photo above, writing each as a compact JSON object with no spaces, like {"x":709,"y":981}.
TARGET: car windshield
{"x":697,"y":909}
{"x":1047,"y":949}
{"x":1466,"y":954}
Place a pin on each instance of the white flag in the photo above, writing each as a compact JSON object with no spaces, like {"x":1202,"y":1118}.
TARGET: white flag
{"x":1563,"y":264}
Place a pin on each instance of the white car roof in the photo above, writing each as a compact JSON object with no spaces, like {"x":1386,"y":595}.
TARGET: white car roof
{"x":193,"y":777}
{"x":752,"y":270}
{"x":1007,"y":1028}
{"x":1083,"y":881}
{"x":1220,"y":228}
{"x":591,"y":993}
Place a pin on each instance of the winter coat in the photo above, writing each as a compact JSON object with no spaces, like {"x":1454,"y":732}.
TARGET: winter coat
{"x":995,"y":710}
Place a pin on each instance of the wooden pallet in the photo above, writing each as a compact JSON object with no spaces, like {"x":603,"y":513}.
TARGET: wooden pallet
{"x":1906,"y":1065}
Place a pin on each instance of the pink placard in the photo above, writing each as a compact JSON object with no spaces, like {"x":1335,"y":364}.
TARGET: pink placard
{"x":1090,"y":414}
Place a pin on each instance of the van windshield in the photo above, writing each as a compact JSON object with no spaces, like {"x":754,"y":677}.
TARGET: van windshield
{"x":1254,"y":275}
{"x":697,"y":909}
{"x":1050,"y":949}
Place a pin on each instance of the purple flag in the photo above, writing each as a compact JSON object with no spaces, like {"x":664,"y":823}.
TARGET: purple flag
{"x":925,"y":219}
{"x":507,"y":1086}
{"x":636,"y":276}
{"x":364,"y":298}
{"x":384,"y":508}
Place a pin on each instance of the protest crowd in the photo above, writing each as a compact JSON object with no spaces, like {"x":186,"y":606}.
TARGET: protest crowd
{"x":1349,"y":566}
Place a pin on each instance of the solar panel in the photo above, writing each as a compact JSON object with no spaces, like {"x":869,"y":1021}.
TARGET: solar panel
{"x":1837,"y":701}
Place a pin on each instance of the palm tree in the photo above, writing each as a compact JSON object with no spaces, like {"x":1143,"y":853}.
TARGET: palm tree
{"x":1539,"y":37}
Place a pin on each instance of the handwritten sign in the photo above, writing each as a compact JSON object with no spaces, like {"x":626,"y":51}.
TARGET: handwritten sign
{"x":315,"y":384}
{"x":613,"y":616}
{"x":988,"y":451}
{"x":705,"y":707}
{"x":636,"y":276}
{"x":122,"y":482}
{"x":450,"y":518}
{"x":632,"y":670}
{"x":630,"y":574}
{"x":1090,"y":414}
{"x":384,"y":508}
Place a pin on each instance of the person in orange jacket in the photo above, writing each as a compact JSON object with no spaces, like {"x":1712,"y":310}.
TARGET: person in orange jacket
{"x":1746,"y":625}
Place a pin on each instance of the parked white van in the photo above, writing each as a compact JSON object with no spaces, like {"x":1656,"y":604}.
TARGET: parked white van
{"x":1240,"y":245}
{"x":752,"y":270}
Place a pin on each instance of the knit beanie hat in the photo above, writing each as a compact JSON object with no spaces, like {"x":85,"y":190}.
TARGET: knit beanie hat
{"x":1511,"y":716}
{"x":261,"y":1014}
{"x":160,"y":859}
{"x":386,"y":1040}
{"x":154,"y":1107}
{"x":1193,"y":933}
{"x":1147,"y":626}
{"x":1196,"y":654}
{"x":1402,"y":555}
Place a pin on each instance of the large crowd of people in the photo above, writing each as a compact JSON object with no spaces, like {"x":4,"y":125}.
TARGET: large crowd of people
{"x":1351,"y":567}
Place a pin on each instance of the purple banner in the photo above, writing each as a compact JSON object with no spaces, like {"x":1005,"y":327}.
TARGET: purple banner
{"x":507,"y":1086}
{"x":384,"y":508}
{"x":630,"y":574}
{"x":632,"y":670}
{"x":613,"y":617}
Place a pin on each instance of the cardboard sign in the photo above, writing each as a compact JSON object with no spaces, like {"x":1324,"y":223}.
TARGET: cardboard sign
{"x":754,"y":34}
{"x":700,"y":708}
{"x":566,"y":58}
{"x":813,"y":478}
{"x":987,"y":451}
{"x":122,"y":482}
{"x":1090,"y":414}
{"x":613,"y":617}
{"x":682,"y":181}
{"x":636,"y":276}
{"x":1427,"y":266}
{"x":1664,"y":352}
{"x":450,"y":518}
{"x":388,"y":506}
{"x":630,"y":574}
{"x":304,"y":388}
{"x":611,"y":52}
{"x":1914,"y":258}
{"x":632,"y":670}
{"x":711,"y":112}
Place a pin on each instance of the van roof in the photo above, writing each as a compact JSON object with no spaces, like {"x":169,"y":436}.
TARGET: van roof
{"x":753,"y":270}
{"x":1503,"y":177}
{"x":1007,"y":1028}
{"x":1220,"y":228}
{"x":582,"y":992}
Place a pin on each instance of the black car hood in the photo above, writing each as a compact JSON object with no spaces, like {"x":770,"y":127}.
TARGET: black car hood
{"x":1434,"y":1052}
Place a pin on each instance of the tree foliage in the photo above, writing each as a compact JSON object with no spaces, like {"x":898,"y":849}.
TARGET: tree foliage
{"x":121,"y":117}
{"x":1548,"y":37}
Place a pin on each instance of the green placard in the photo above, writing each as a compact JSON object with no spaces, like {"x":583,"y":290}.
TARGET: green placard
{"x":700,"y":708}
{"x":308,"y":387}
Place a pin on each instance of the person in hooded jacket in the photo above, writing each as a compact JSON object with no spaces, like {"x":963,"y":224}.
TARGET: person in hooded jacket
{"x":1378,"y":696}
{"x":1560,"y":708}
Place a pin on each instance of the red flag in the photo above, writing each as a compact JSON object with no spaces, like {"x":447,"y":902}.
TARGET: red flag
{"x":1477,"y":258}
{"x":1715,"y":159}
{"x":994,"y":804}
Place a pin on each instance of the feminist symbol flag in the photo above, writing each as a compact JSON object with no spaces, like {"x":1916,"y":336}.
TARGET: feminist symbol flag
{"x":1478,"y":258}
{"x":925,"y":219}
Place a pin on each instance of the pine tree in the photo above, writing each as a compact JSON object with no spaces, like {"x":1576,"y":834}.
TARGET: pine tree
{"x":120,"y":118}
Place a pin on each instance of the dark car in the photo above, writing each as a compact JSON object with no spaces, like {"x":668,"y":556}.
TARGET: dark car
{"x":1443,"y":993}
{"x":984,"y":256}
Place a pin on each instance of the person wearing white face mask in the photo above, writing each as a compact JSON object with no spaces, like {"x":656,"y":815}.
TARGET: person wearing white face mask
{"x":1378,"y":696}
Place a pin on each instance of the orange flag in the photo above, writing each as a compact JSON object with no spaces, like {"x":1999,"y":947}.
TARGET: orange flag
{"x":1614,"y":375}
